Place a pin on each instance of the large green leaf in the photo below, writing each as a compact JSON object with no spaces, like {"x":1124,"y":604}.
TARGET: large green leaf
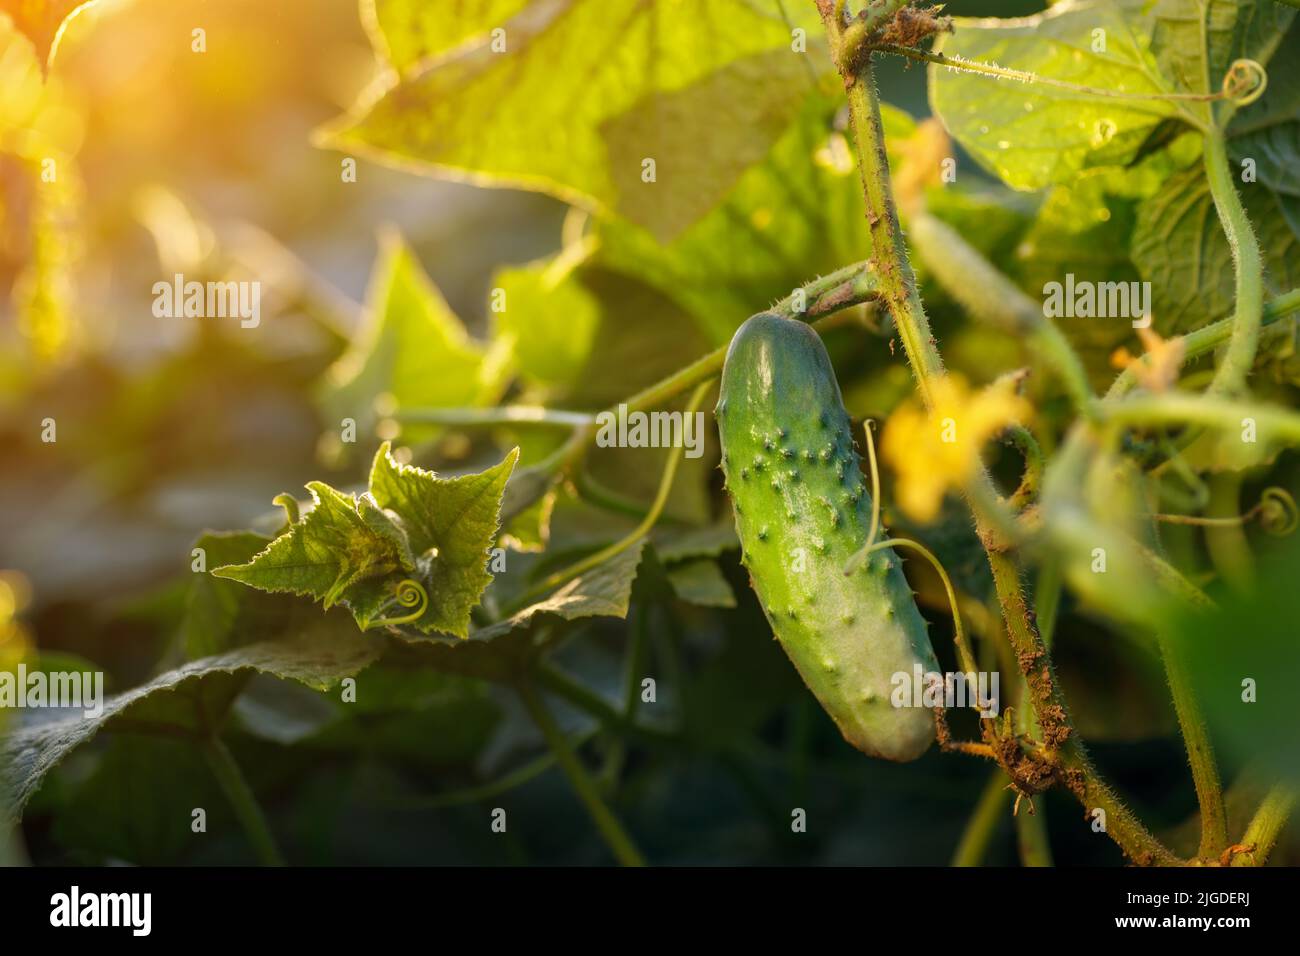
{"x":1033,"y":135}
{"x":1179,"y":245}
{"x":585,"y":93}
{"x":411,"y":525}
{"x":1178,"y":241}
{"x":409,"y":31}
{"x":793,"y":216}
{"x":186,"y":699}
{"x":1099,"y":152}
{"x":550,"y":320}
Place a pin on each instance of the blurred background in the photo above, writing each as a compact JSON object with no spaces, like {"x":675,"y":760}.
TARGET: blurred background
{"x":170,"y":162}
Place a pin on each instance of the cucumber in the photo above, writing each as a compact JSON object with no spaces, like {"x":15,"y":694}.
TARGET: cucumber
{"x":802,"y":510}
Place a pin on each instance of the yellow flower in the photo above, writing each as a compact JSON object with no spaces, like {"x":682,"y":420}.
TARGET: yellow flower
{"x":932,"y":451}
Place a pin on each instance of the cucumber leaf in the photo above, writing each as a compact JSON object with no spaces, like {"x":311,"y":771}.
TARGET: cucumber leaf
{"x":407,"y":32}
{"x":358,"y":549}
{"x":185,"y":699}
{"x":583,"y":94}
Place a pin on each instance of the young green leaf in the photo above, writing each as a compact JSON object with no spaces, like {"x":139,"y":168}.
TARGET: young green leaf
{"x":411,"y":526}
{"x":604,"y":591}
{"x":450,"y":524}
{"x":330,"y":553}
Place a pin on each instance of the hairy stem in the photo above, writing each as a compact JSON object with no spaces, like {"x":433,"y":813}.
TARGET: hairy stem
{"x":1200,"y":752}
{"x":1266,"y":826}
{"x":615,"y":836}
{"x":1180,"y":408}
{"x":1230,"y":379}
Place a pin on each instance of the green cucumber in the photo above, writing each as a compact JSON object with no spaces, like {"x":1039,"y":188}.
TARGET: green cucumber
{"x":802,"y":511}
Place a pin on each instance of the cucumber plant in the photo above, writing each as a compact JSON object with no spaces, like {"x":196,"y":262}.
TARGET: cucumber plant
{"x":709,"y":175}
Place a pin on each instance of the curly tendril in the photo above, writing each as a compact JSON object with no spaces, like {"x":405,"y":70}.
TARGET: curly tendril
{"x":410,"y":593}
{"x":1278,"y":514}
{"x":1244,"y":82}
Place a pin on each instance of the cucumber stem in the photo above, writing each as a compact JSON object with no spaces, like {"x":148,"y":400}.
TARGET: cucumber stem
{"x":984,"y":822}
{"x":1238,"y":358}
{"x":1266,"y":826}
{"x":611,"y":830}
{"x":636,"y":534}
{"x":1200,"y":752}
{"x":242,"y":800}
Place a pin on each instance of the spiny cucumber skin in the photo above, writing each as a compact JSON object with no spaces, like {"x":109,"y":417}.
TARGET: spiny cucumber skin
{"x":797,"y":489}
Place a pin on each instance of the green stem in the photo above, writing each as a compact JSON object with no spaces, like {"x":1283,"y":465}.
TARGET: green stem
{"x":983,"y":824}
{"x":636,"y":534}
{"x":1240,"y":353}
{"x":1181,"y":408}
{"x":242,"y":800}
{"x":633,"y":668}
{"x":615,"y":836}
{"x":1200,"y":752}
{"x":492,"y":417}
{"x":1266,"y":826}
{"x":493,"y":788}
{"x":823,"y":297}
{"x":1049,"y":709}
{"x":1031,"y":835}
{"x":1225,"y":534}
{"x":964,"y":65}
{"x":588,"y":701}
